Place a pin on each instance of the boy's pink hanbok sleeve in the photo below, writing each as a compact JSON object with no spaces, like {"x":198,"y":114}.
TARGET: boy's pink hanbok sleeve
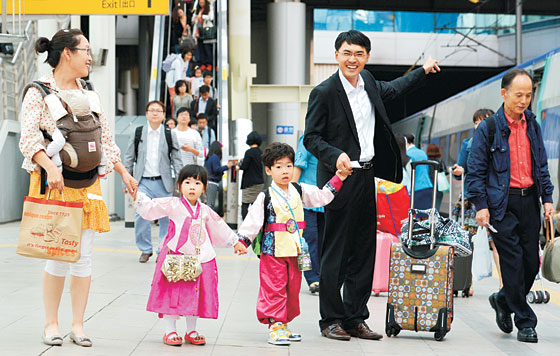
{"x":253,"y":222}
{"x":220,"y":233}
{"x":151,"y":209}
{"x":313,"y":197}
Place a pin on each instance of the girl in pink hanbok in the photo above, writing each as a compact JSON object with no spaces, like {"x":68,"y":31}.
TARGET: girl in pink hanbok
{"x":194,"y":228}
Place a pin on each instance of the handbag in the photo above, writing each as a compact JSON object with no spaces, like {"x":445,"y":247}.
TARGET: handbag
{"x":442,"y":183}
{"x":482,"y":257}
{"x":551,"y":257}
{"x":183,"y":267}
{"x":208,"y":32}
{"x":50,"y":229}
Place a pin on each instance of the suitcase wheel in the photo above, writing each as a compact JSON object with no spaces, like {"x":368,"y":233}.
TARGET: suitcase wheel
{"x":440,"y":334}
{"x":546,"y":297}
{"x":540,"y":297}
{"x":531,"y":297}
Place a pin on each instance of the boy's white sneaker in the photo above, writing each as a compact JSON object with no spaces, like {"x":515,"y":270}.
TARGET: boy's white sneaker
{"x":291,"y":335}
{"x":278,"y":335}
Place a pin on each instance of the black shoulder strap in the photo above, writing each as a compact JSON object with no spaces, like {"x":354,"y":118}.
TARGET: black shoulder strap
{"x":169,"y":140}
{"x":42,"y":87}
{"x":491,"y":123}
{"x":137,"y":137}
{"x":298,"y":188}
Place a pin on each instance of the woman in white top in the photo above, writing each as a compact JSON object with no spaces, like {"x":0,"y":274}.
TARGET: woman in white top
{"x":69,"y":54}
{"x":189,"y":139}
{"x":179,"y":68}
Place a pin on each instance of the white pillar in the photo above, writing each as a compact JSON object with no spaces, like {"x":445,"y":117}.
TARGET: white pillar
{"x":102,"y":36}
{"x":286,"y":65}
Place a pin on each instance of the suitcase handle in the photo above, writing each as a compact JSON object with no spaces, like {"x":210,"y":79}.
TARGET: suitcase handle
{"x":434,"y":164}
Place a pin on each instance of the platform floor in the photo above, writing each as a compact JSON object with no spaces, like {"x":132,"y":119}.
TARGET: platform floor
{"x":118,"y":323}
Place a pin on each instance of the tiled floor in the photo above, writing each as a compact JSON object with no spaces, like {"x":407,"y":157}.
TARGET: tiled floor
{"x":119,"y":325}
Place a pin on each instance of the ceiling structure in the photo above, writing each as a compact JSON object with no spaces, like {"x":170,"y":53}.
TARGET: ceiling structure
{"x":530,"y":7}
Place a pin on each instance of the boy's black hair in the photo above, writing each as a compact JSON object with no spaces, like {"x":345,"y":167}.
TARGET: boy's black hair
{"x":204,"y":89}
{"x":193,"y":171}
{"x":206,"y":73}
{"x":193,"y":122}
{"x":182,"y":109}
{"x":201,"y":116}
{"x":353,"y":37}
{"x":276,"y":151}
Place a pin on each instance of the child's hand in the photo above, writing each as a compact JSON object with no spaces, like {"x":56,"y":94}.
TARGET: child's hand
{"x":239,"y":249}
{"x":342,"y":175}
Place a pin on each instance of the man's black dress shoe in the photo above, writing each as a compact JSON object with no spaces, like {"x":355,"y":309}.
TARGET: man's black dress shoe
{"x":363,"y":331}
{"x":503,"y":318}
{"x":527,"y":335}
{"x":335,"y":332}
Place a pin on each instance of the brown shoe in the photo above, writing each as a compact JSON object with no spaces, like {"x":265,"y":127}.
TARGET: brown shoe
{"x":144,"y":257}
{"x":363,"y":331}
{"x":335,"y":332}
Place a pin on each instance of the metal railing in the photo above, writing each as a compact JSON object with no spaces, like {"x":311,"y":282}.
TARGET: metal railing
{"x":16,"y":72}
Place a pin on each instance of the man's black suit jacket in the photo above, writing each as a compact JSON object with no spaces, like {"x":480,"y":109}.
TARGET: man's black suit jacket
{"x":211,"y":111}
{"x":330,"y":128}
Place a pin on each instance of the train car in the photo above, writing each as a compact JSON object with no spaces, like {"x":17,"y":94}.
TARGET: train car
{"x":449,"y":122}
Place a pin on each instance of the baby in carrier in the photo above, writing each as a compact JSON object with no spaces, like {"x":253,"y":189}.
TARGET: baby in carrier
{"x":75,"y":145}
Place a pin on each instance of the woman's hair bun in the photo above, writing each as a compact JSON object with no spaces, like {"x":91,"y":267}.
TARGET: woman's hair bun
{"x":42,"y":45}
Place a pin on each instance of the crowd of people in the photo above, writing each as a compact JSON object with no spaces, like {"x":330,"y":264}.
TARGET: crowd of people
{"x":169,"y":164}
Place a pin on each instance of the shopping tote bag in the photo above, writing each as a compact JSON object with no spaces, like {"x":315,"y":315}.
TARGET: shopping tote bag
{"x":50,"y":229}
{"x":393,"y":202}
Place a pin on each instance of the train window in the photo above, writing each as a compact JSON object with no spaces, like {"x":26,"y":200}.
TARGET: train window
{"x":443,"y":147}
{"x":453,"y":150}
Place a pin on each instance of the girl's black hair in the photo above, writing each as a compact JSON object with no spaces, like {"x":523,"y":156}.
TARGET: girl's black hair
{"x":61,"y":40}
{"x":172,"y":119}
{"x":215,"y":148}
{"x":276,"y":151}
{"x":193,"y":171}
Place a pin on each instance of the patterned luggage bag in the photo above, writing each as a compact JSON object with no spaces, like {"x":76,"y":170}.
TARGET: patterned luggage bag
{"x":420,"y":278}
{"x":420,"y":290}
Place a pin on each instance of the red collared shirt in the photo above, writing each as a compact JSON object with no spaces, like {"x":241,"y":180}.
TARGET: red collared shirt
{"x":520,"y":153}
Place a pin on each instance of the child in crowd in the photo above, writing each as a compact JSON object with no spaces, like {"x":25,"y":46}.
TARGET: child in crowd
{"x":206,"y":80}
{"x":196,"y":81}
{"x":279,"y":212}
{"x":193,"y":229}
{"x":171,"y":123}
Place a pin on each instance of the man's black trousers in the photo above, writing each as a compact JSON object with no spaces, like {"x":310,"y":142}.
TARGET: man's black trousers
{"x":348,"y":254}
{"x":517,"y":243}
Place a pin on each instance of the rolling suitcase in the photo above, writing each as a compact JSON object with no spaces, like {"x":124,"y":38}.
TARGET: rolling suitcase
{"x":420,"y":280}
{"x":462,"y":276}
{"x":382,"y":254}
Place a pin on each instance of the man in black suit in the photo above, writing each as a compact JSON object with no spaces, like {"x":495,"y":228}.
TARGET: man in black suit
{"x":205,"y":104}
{"x":347,"y":128}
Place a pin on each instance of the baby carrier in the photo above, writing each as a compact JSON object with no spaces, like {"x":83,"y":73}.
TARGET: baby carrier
{"x":81,"y":155}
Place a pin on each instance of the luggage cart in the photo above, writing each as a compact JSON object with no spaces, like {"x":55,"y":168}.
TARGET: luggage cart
{"x":536,"y":295}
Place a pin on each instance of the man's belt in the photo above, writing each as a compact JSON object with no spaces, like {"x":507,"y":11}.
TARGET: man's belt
{"x":289,"y":226}
{"x":522,"y":191}
{"x":152,"y":178}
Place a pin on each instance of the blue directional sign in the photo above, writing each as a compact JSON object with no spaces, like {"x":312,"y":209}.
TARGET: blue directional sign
{"x":284,"y":130}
